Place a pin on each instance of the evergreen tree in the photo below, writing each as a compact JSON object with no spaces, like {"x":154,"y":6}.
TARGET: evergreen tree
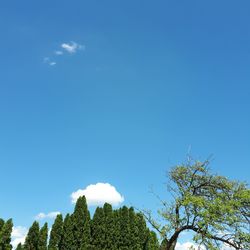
{"x":133,"y":231}
{"x":81,"y":222}
{"x":142,"y":229}
{"x":117,"y":230}
{"x":1,"y":224}
{"x":56,"y":233}
{"x":43,"y":237}
{"x":32,"y":238}
{"x":110,"y":230}
{"x":67,"y":241}
{"x":124,"y":229}
{"x":19,"y":247}
{"x":152,"y":241}
{"x":98,"y":230}
{"x":5,"y":235}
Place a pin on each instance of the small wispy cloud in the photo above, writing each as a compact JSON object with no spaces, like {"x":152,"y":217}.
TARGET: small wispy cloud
{"x":72,"y":47}
{"x":51,"y":215}
{"x":58,"y":52}
{"x":48,"y":61}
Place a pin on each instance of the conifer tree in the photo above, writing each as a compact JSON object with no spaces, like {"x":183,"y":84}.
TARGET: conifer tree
{"x":1,"y":224}
{"x":152,"y":241}
{"x":32,"y":238}
{"x":19,"y":247}
{"x":98,"y":230}
{"x":142,"y":228}
{"x":117,"y":230}
{"x":133,"y":231}
{"x":110,"y":230}
{"x":81,"y":222}
{"x":56,"y":233}
{"x":43,"y":237}
{"x":67,"y":241}
{"x":5,"y":235}
{"x":124,"y":226}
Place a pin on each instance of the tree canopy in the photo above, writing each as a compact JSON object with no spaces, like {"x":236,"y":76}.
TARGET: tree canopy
{"x":215,"y":209}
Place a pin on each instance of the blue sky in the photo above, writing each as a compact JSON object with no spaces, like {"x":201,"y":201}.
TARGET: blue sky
{"x":147,"y":82}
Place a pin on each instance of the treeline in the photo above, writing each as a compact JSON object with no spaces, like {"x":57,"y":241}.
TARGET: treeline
{"x":120,"y":229}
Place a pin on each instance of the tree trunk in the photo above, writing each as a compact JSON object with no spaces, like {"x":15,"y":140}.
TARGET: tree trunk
{"x":171,"y":245}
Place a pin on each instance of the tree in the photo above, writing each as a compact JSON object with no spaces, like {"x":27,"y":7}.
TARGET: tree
{"x":56,"y":233}
{"x":81,"y":222}
{"x":214,"y":208}
{"x":5,"y":235}
{"x":98,"y":230}
{"x":1,"y":224}
{"x":19,"y":247}
{"x":43,"y":237}
{"x":67,"y":240}
{"x":32,"y":238}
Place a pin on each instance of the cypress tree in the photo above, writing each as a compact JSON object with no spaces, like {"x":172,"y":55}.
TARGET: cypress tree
{"x":1,"y":224}
{"x":67,"y":241}
{"x":124,"y":229}
{"x":117,"y":230}
{"x":152,"y":241}
{"x":110,"y":230}
{"x":32,"y":238}
{"x":98,"y":230}
{"x":133,"y":231}
{"x":5,"y":235}
{"x":43,"y":237}
{"x":142,"y":228}
{"x":56,"y":233}
{"x":19,"y":247}
{"x":81,"y":222}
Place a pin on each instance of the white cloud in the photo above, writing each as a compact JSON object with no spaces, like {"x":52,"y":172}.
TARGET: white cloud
{"x":58,"y":52}
{"x":50,"y":215}
{"x":187,"y":245}
{"x":48,"y":61}
{"x":18,"y":235}
{"x":98,"y":194}
{"x":72,"y":47}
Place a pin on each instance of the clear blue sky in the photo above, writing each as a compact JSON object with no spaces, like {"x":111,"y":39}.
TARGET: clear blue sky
{"x":152,"y":80}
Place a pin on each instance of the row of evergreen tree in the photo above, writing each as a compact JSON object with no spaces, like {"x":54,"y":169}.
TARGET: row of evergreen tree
{"x":120,"y":229}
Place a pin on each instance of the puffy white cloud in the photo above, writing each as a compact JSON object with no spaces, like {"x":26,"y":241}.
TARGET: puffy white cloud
{"x":98,"y":194}
{"x":72,"y":47}
{"x":50,"y":215}
{"x":18,"y":235}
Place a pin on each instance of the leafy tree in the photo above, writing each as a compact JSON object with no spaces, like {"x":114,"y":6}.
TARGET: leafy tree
{"x":43,"y":237}
{"x":214,"y":208}
{"x":67,"y":241}
{"x":98,"y":230}
{"x":32,"y":238}
{"x":19,"y":247}
{"x":56,"y":233}
{"x":5,"y":235}
{"x":124,"y":229}
{"x":81,"y":222}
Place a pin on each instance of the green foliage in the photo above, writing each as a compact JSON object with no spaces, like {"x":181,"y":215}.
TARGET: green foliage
{"x":81,"y":223}
{"x":56,"y":233}
{"x":19,"y":247}
{"x":98,"y":230}
{"x":5,"y":235}
{"x":67,"y":241}
{"x":32,"y":238}
{"x":215,"y":208}
{"x":43,"y":237}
